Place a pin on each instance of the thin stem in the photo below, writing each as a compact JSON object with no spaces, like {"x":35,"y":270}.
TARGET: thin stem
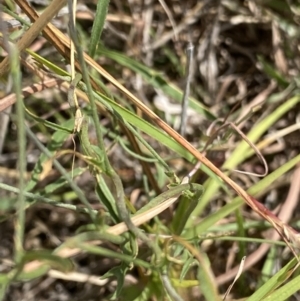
{"x":86,"y":79}
{"x":169,"y":288}
{"x":186,"y":92}
{"x":39,"y":198}
{"x":20,"y":223}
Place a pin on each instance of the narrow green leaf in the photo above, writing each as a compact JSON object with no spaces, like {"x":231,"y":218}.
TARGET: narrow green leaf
{"x":277,"y":280}
{"x":285,"y":291}
{"x":111,"y":254}
{"x":188,"y":264}
{"x":268,"y":267}
{"x":41,"y":60}
{"x":106,"y":198}
{"x":273,"y":72}
{"x":119,"y":273}
{"x":98,"y":25}
{"x":206,"y":282}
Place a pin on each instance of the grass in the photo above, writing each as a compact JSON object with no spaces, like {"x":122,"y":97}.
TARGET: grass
{"x":66,"y":196}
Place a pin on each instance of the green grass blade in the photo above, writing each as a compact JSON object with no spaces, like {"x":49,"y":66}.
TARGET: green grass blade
{"x":41,"y":60}
{"x":285,"y":291}
{"x":273,"y":73}
{"x":267,"y":270}
{"x":105,"y":196}
{"x":98,"y":25}
{"x":206,"y":282}
{"x":17,"y":86}
{"x":34,"y":198}
{"x":111,"y":254}
{"x":277,"y":280}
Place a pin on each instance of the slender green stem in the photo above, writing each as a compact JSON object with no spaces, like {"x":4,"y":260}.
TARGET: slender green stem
{"x":186,"y":92}
{"x":39,"y":198}
{"x":16,"y":79}
{"x":123,"y":212}
{"x":111,"y":254}
{"x":14,"y":15}
{"x":133,"y":154}
{"x":169,"y":288}
{"x":85,"y":76}
{"x":147,"y":145}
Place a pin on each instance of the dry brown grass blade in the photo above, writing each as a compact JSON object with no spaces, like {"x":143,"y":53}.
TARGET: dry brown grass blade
{"x":31,"y":34}
{"x":53,"y":35}
{"x":241,"y":266}
{"x":286,"y":232}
